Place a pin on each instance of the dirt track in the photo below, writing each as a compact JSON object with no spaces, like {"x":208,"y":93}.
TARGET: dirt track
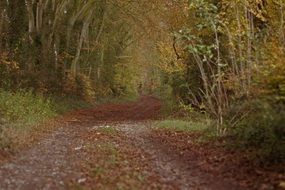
{"x":112,"y":146}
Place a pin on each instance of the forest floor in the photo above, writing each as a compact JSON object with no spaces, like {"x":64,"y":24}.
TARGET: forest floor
{"x":114,"y":146}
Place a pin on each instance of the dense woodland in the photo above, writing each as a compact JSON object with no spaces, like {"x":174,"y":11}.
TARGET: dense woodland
{"x":222,"y":59}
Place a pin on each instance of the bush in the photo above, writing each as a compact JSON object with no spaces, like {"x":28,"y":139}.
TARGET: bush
{"x":65,"y":104}
{"x":24,"y":108}
{"x":79,"y":86}
{"x":20,"y":112}
{"x":264,"y":130}
{"x":164,"y":92}
{"x":23,"y":112}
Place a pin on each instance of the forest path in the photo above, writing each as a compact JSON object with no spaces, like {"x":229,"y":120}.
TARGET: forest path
{"x":111,"y":146}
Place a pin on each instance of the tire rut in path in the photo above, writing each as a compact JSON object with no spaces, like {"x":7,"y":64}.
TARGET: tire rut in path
{"x":47,"y":165}
{"x":171,"y":168}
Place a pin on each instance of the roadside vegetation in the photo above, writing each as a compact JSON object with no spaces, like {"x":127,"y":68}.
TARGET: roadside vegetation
{"x":23,"y":114}
{"x":223,"y":60}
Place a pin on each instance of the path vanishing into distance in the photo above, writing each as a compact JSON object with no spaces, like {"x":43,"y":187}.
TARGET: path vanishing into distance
{"x":113,"y":146}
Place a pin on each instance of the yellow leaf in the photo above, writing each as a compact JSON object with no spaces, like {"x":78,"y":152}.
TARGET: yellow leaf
{"x":282,"y":184}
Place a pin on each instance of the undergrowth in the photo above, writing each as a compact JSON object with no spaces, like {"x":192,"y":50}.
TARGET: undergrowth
{"x":23,"y":112}
{"x":65,"y":104}
{"x":24,"y":108}
{"x":263,"y":131}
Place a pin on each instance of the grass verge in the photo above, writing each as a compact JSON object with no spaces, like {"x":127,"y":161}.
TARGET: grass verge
{"x":182,"y":125}
{"x":202,"y":130}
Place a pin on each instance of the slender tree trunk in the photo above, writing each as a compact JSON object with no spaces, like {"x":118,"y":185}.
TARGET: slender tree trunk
{"x":1,"y":27}
{"x":31,"y":16}
{"x":39,"y":17}
{"x":240,"y":42}
{"x":250,"y":36}
{"x":282,"y":35}
{"x":83,"y":37}
{"x":219,"y":82}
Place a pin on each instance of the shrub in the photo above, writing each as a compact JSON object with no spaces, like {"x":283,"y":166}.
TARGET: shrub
{"x":65,"y":104}
{"x":23,"y":112}
{"x":79,"y":86}
{"x":24,"y":107}
{"x":20,"y":112}
{"x":164,"y":92}
{"x":264,"y":130}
